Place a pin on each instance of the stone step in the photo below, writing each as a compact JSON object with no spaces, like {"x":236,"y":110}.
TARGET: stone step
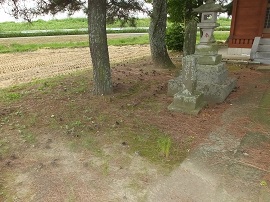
{"x":264,"y":41}
{"x":263,"y":55}
{"x":263,"y":48}
{"x":263,"y":68}
{"x":262,"y":60}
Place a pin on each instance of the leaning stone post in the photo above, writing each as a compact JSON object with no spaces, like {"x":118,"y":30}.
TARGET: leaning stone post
{"x":188,"y":100}
{"x":190,"y":38}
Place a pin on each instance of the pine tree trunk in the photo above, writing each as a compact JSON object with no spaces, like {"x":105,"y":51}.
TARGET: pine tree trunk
{"x":157,"y":33}
{"x":99,"y":47}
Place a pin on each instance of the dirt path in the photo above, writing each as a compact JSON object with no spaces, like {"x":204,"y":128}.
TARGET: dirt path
{"x":16,"y":68}
{"x":232,"y":164}
{"x":52,"y":172}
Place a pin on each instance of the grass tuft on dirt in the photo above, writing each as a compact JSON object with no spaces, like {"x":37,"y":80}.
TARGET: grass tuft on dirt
{"x":66,"y":106}
{"x":135,"y":117}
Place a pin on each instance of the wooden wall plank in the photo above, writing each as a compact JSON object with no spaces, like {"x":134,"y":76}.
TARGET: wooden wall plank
{"x":246,"y":22}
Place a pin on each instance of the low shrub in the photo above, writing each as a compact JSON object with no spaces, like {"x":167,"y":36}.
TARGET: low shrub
{"x":175,"y":37}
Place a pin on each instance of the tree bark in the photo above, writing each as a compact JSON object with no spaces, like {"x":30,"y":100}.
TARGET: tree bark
{"x":157,"y":34}
{"x":99,"y":47}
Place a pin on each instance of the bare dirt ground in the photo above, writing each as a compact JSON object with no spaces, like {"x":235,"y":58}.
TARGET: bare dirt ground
{"x":50,"y":139}
{"x":16,"y":68}
{"x":47,"y":169}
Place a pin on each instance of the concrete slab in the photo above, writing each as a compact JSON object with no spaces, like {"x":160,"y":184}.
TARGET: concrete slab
{"x":263,"y":68}
{"x":225,"y":55}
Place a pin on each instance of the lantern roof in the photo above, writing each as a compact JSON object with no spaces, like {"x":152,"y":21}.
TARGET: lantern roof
{"x":209,"y":6}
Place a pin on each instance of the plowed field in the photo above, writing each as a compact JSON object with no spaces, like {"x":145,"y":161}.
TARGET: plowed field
{"x":18,"y":68}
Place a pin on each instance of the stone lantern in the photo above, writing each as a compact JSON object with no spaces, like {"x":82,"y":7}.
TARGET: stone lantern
{"x":211,"y":72}
{"x":208,"y":24}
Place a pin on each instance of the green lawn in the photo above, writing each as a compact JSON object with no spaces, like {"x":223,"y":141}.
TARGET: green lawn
{"x":17,"y":47}
{"x":68,"y":23}
{"x":76,"y":24}
{"x":73,"y":23}
{"x":224,"y":21}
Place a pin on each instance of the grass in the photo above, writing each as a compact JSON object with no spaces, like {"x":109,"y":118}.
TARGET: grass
{"x":74,"y":26}
{"x":4,"y":148}
{"x":150,"y":142}
{"x":69,"y":26}
{"x":11,"y":34}
{"x":67,"y":32}
{"x":165,"y":144}
{"x":129,"y":41}
{"x":224,"y":21}
{"x":9,"y":95}
{"x":74,"y":23}
{"x":9,"y":48}
{"x":3,"y":193}
{"x":33,"y":47}
{"x":90,"y":123}
{"x":68,"y":23}
{"x":28,"y":137}
{"x":219,"y":36}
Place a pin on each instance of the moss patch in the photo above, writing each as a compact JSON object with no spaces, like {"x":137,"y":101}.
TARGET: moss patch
{"x":254,"y":140}
{"x":262,"y":113}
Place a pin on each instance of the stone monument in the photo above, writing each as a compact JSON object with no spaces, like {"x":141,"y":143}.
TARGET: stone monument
{"x":190,"y":38}
{"x":188,"y":100}
{"x":212,"y":74}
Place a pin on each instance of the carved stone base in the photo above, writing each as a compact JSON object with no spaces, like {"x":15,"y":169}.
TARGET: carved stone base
{"x":175,"y":86}
{"x":189,"y":104}
{"x":209,"y":59}
{"x":212,"y":81}
{"x":217,"y":93}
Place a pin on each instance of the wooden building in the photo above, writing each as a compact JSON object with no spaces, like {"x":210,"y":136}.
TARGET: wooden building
{"x":250,"y":28}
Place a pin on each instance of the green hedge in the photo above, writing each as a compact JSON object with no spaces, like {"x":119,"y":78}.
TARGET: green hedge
{"x":175,"y":37}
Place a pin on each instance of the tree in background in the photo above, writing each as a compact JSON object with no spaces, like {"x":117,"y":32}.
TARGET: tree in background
{"x":229,"y":8}
{"x":181,"y":14}
{"x":157,"y":34}
{"x":99,"y":47}
{"x":97,"y":11}
{"x":28,"y":9}
{"x":181,"y":11}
